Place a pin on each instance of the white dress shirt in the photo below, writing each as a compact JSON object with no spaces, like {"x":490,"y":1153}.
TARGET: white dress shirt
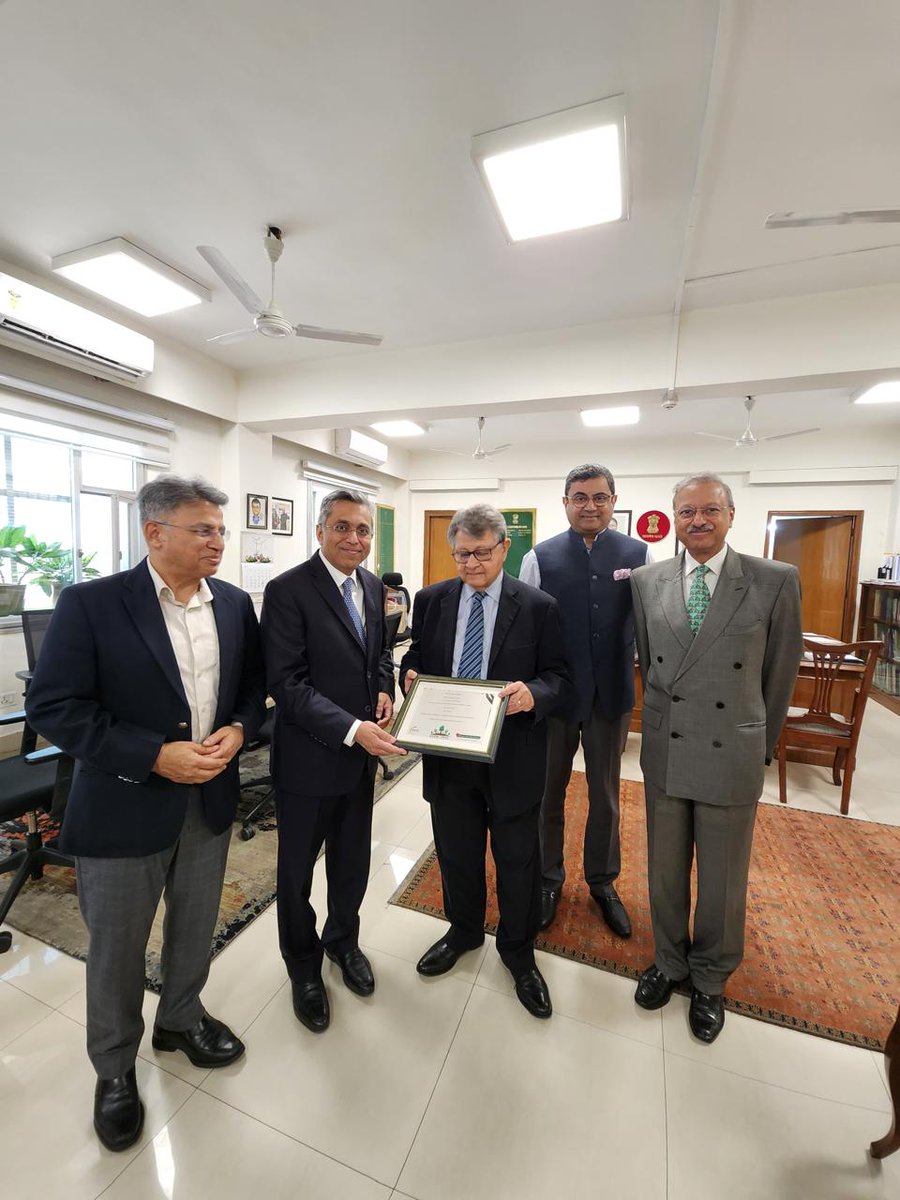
{"x":489,"y":605}
{"x":356,"y":593}
{"x":712,"y":575}
{"x":195,"y":639}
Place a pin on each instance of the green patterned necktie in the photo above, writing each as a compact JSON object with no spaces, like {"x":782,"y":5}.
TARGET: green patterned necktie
{"x":699,"y":598}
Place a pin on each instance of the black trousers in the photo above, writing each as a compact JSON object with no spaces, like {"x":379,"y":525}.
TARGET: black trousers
{"x":461,"y":818}
{"x":344,"y":824}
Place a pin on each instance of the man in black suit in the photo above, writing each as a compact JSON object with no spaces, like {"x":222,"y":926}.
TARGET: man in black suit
{"x":487,"y":625}
{"x":152,"y":680}
{"x":330,"y":672}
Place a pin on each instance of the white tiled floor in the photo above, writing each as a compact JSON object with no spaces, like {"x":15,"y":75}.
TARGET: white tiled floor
{"x":446,"y":1089}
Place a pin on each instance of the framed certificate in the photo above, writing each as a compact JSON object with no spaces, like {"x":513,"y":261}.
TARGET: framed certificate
{"x":456,"y":718}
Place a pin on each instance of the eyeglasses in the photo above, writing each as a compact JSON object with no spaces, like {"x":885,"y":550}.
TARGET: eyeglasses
{"x":363,"y":532}
{"x":712,"y":512}
{"x":580,"y":499}
{"x":482,"y":553}
{"x":206,"y":532}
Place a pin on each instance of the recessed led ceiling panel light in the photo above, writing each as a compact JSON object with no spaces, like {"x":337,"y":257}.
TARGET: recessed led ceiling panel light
{"x":398,"y":429}
{"x":560,"y":172}
{"x":131,"y":277}
{"x":887,"y":392}
{"x":628,"y":414}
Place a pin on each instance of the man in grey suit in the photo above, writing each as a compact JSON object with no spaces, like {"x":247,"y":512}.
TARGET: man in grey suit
{"x":719,"y":642}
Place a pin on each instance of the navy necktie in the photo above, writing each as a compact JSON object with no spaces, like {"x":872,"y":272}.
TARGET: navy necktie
{"x":473,"y":642}
{"x":347,"y":591}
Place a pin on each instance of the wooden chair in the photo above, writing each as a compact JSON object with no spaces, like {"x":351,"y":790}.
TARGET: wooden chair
{"x":820,"y":727}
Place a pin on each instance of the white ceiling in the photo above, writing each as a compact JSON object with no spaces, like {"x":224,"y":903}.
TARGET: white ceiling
{"x":349,"y":124}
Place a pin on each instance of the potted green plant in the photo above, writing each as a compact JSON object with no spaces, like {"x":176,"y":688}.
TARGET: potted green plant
{"x":12,"y":593}
{"x":47,"y":564}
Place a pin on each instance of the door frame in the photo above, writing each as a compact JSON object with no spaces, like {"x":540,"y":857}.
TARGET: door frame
{"x":851,"y":586}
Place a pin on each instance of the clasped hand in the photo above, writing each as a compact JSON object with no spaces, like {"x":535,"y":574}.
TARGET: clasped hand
{"x":195,"y":762}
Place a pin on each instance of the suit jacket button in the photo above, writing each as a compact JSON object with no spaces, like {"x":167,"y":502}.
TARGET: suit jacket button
{"x":675,"y":699}
{"x":676,"y":735}
{"x":717,"y":745}
{"x":368,"y":708}
{"x":182,"y":724}
{"x":719,"y":704}
{"x":659,"y":658}
{"x":737,"y":666}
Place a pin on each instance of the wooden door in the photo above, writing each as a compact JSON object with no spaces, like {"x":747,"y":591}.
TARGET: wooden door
{"x":439,"y":562}
{"x":824,"y":547}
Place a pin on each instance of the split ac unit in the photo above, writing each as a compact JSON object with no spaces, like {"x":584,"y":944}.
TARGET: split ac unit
{"x":359,"y":448}
{"x":58,"y":329}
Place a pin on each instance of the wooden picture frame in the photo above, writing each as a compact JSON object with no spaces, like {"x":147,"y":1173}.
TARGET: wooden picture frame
{"x":257,"y":514}
{"x":282,"y":517}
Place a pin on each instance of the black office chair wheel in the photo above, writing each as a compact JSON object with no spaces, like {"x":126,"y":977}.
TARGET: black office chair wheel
{"x":5,"y":941}
{"x":247,"y":832}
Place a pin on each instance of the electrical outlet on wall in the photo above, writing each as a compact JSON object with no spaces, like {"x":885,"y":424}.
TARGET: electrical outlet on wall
{"x":10,"y":700}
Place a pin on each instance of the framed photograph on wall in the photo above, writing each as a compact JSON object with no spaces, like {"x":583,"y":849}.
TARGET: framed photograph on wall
{"x":257,"y":511}
{"x":282,"y":516}
{"x":621,"y":520}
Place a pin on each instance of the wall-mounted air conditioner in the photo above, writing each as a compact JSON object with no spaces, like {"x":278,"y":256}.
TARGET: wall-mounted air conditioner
{"x":59,"y":329}
{"x":359,"y":448}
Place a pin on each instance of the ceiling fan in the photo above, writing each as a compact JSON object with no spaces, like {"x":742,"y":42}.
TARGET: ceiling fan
{"x":268,"y":319}
{"x":479,"y":453}
{"x":858,"y":216}
{"x":749,"y":438}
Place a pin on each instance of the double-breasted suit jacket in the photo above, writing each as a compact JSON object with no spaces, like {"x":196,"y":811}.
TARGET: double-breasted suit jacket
{"x":714,"y":704}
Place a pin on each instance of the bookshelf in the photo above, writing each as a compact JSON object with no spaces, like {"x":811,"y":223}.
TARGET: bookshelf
{"x":879,"y":619}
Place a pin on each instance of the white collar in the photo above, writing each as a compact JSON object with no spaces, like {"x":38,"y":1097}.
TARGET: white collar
{"x":338,"y":576}
{"x":203,"y":594}
{"x":713,"y":564}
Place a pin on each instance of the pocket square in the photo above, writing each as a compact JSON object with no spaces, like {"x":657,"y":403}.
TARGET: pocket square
{"x":622,"y":573}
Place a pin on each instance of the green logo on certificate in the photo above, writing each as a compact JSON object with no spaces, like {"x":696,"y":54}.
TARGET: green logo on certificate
{"x":440,"y":731}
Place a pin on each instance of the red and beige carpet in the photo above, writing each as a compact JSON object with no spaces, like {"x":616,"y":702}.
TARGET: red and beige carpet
{"x":823,"y":917}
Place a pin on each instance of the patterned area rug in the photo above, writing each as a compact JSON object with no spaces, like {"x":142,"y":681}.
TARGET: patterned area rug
{"x":823,"y":917}
{"x":47,"y":909}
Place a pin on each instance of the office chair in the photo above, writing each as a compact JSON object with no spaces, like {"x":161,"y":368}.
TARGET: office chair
{"x":34,"y":626}
{"x":30,"y":785}
{"x":264,"y":808}
{"x":394,"y":581}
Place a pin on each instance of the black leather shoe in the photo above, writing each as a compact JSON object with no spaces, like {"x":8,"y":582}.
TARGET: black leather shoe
{"x":356,"y":970}
{"x":118,"y":1112}
{"x":440,"y":958}
{"x":654,"y":989}
{"x":549,"y":902}
{"x":531,"y":988}
{"x":706,"y":1016}
{"x":613,"y":910}
{"x":311,"y":1005}
{"x":209,"y":1043}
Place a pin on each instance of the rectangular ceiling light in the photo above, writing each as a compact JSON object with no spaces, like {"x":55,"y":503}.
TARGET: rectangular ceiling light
{"x":131,"y":277}
{"x":628,"y":414}
{"x":398,"y":428}
{"x":559,"y":172}
{"x":887,"y":392}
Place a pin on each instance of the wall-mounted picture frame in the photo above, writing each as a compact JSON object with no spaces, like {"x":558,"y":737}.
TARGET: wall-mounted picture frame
{"x":621,"y":520}
{"x":282,"y":516}
{"x":257,"y":511}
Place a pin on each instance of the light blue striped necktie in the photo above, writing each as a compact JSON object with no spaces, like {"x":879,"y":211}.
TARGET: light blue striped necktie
{"x":473,"y":643}
{"x":347,"y":591}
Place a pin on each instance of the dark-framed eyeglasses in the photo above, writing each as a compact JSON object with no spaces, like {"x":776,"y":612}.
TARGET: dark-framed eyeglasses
{"x":206,"y":532}
{"x":581,"y":499}
{"x":482,"y":553}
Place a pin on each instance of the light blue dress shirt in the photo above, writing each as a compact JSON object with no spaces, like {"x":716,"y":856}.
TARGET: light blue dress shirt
{"x":491,"y":604}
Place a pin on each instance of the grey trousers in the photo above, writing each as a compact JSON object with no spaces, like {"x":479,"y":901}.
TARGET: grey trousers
{"x":723,"y":836}
{"x":119,"y":898}
{"x":603,"y":742}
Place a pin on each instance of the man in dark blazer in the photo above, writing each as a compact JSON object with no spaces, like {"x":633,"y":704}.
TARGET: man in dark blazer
{"x":151,"y":680}
{"x":587,"y":569}
{"x":487,"y":625}
{"x":719,"y":640}
{"x":330,"y":672}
